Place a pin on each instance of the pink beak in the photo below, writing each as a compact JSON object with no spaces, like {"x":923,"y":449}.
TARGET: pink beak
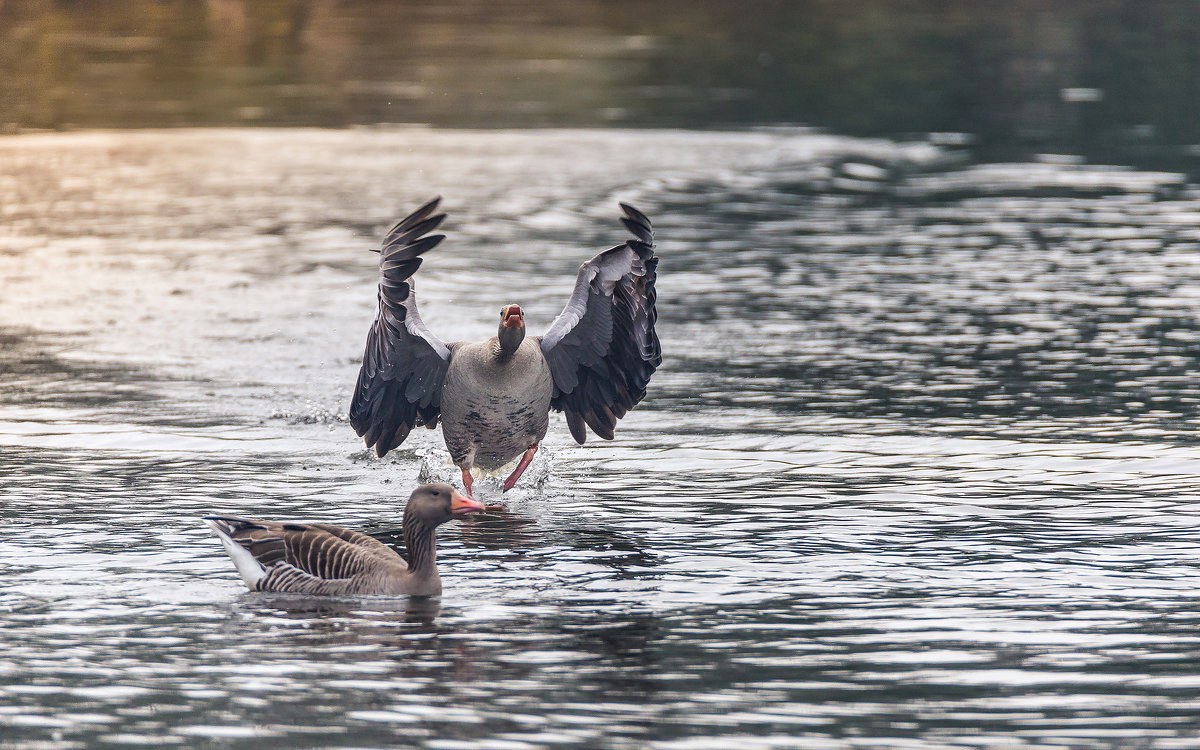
{"x":460,"y":504}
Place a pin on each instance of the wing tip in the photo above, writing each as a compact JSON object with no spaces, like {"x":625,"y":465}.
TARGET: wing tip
{"x":635,"y":214}
{"x":232,"y":523}
{"x":423,"y":211}
{"x":405,"y":232}
{"x":575,"y":424}
{"x":638,"y":225}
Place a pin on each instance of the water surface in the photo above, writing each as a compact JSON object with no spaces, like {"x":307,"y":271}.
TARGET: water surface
{"x":919,"y":468}
{"x":1115,"y":81}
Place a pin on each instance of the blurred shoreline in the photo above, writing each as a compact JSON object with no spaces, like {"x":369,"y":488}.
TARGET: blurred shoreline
{"x":1110,"y":81}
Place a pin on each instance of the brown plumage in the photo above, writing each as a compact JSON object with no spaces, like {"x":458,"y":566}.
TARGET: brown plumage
{"x":493,"y":397}
{"x":316,"y":558}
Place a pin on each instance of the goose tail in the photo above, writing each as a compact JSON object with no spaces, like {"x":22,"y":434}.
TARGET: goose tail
{"x":250,"y":569}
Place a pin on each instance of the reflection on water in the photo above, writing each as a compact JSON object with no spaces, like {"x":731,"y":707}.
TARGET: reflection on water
{"x":919,"y":467}
{"x":1113,"y":80}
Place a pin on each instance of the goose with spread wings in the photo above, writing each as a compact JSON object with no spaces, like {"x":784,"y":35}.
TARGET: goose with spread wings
{"x":493,"y":398}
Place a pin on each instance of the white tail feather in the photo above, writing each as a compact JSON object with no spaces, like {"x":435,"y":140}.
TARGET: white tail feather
{"x":249,"y":568}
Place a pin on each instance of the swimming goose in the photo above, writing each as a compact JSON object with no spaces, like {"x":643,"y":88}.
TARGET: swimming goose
{"x":316,"y":558}
{"x":494,"y":397}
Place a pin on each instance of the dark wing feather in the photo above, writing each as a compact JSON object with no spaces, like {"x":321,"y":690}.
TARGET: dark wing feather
{"x":257,"y":537}
{"x":400,"y":382}
{"x":316,"y":549}
{"x":602,"y":348}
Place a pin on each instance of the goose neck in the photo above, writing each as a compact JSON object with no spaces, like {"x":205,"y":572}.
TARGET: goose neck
{"x":420,"y":541}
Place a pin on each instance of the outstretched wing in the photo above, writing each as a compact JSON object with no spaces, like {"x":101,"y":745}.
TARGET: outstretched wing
{"x":602,"y":348}
{"x":400,"y":383}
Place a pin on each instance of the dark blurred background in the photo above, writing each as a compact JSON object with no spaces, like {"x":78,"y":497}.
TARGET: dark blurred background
{"x":1110,"y":80}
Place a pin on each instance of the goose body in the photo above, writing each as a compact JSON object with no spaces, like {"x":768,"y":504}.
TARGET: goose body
{"x":317,"y":558}
{"x":493,"y":397}
{"x":495,"y":408}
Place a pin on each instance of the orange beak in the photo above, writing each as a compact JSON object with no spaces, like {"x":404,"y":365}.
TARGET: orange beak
{"x":460,"y":504}
{"x":513,"y":317}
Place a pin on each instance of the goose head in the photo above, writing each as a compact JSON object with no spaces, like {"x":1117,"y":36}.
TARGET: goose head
{"x":434,"y":504}
{"x":512,"y":328}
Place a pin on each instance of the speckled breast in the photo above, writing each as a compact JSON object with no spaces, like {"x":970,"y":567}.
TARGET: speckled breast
{"x":493,"y":409}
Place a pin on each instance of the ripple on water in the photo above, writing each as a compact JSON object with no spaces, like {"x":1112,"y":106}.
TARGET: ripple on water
{"x":918,"y":469}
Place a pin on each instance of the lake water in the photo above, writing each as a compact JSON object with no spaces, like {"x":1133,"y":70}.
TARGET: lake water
{"x":920,"y":468}
{"x":1115,"y":81}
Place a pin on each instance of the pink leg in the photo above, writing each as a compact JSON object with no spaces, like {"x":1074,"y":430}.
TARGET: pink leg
{"x":517,"y":472}
{"x":467,"y":482}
